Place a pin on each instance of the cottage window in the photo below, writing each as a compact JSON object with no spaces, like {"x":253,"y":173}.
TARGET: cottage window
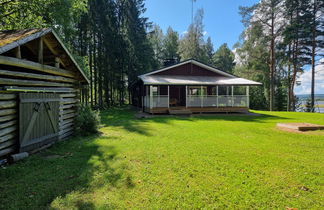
{"x":197,"y":90}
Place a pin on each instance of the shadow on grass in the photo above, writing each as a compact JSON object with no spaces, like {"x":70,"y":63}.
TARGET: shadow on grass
{"x":125,"y":117}
{"x":46,"y":179}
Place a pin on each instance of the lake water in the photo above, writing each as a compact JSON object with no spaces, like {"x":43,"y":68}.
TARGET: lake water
{"x":317,"y":103}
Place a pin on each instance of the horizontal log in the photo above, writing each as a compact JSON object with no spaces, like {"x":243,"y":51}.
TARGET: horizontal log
{"x":63,"y":117}
{"x":66,"y":135}
{"x":7,"y":104}
{"x":69,"y":101}
{"x":7,"y":118}
{"x":68,"y":95}
{"x":37,"y":76}
{"x":66,"y":130}
{"x":4,"y":112}
{"x":7,"y":151}
{"x":7,"y":96}
{"x":40,"y":89}
{"x":66,"y":126}
{"x":5,"y":81}
{"x":63,"y":122}
{"x":67,"y":111}
{"x":7,"y":137}
{"x":68,"y":106}
{"x":7,"y":124}
{"x":7,"y":144}
{"x":8,"y":130}
{"x":35,"y":66}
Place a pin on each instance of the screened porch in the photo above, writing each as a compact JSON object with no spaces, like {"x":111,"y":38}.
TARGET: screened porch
{"x":170,"y":96}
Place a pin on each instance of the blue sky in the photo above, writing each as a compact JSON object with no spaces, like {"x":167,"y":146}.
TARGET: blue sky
{"x":222,"y":20}
{"x":222,"y":23}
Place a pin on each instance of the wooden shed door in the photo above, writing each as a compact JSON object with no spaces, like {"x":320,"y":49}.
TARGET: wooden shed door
{"x":38,"y":120}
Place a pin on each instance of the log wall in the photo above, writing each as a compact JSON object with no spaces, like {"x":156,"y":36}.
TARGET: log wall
{"x":17,"y":75}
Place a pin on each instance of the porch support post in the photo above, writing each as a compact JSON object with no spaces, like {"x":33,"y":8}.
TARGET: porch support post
{"x":232,"y":96}
{"x":168,"y":96}
{"x":248,"y":96}
{"x":151,"y":97}
{"x":201,"y":96}
{"x":217,"y":94}
{"x":186,"y":96}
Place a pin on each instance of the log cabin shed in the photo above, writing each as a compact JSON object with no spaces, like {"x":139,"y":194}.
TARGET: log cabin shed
{"x":41,"y":86}
{"x":191,"y":87}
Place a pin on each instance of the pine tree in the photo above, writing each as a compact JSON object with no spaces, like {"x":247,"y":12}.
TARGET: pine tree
{"x":171,"y":47}
{"x":209,"y":48}
{"x":223,"y":59}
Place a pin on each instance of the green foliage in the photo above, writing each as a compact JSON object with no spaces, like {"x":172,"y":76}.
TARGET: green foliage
{"x":192,"y":45}
{"x":171,"y":45}
{"x":223,"y":59}
{"x":308,"y":106}
{"x":87,"y":121}
{"x":210,"y":162}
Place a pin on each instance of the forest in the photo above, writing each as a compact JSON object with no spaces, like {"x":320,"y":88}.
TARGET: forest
{"x":114,"y":43}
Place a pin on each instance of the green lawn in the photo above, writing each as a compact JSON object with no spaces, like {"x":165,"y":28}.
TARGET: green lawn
{"x":175,"y":162}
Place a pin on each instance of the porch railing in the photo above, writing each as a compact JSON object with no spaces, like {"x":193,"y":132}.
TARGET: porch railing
{"x":217,"y":101}
{"x":200,"y":101}
{"x":157,"y":101}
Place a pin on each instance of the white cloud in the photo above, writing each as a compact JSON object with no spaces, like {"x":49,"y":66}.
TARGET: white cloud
{"x":306,"y":78}
{"x":184,"y":32}
{"x":205,"y":33}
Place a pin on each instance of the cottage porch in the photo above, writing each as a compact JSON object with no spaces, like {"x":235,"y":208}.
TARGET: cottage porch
{"x":187,"y":99}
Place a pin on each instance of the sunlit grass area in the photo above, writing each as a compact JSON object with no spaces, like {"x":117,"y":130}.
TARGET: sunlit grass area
{"x":175,"y":162}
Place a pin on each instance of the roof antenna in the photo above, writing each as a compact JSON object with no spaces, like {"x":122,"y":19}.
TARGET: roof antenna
{"x":192,"y":8}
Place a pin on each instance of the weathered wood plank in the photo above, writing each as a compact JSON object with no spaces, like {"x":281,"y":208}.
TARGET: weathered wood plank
{"x":7,"y":104}
{"x":4,"y":112}
{"x":7,"y":118}
{"x":69,"y":101}
{"x":68,"y":95}
{"x":40,"y":51}
{"x":8,"y":130}
{"x":66,"y":135}
{"x":67,"y":111}
{"x":5,"y":81}
{"x":68,"y":106}
{"x":63,"y":122}
{"x":66,"y":130}
{"x":67,"y":116}
{"x":7,"y":137}
{"x":7,"y":96}
{"x":18,"y":52}
{"x":36,"y":76}
{"x":35,"y":66}
{"x":7,"y":144}
{"x":66,"y":126}
{"x":40,"y":89}
{"x":7,"y":124}
{"x":7,"y":151}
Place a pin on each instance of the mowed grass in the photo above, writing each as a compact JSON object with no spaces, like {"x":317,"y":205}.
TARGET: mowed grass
{"x":238,"y":162}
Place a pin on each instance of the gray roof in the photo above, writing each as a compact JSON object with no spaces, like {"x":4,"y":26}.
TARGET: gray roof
{"x":152,"y":78}
{"x":194,"y":80}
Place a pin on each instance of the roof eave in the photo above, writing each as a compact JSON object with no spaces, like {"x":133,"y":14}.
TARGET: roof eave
{"x":24,"y":40}
{"x":72,"y":58}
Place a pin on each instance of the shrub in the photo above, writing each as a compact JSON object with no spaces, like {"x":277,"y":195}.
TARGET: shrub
{"x":87,"y":121}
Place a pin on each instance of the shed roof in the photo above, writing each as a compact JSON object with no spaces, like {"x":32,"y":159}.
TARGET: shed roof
{"x":13,"y":38}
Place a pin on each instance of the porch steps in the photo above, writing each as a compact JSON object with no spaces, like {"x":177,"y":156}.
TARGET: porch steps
{"x":180,"y":111}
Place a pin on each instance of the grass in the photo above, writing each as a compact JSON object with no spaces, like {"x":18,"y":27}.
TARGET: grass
{"x":240,"y":162}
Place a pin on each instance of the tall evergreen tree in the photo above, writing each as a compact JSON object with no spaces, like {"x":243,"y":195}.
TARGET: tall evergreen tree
{"x":192,"y":45}
{"x":224,"y":58}
{"x":171,"y":47}
{"x":209,"y":48}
